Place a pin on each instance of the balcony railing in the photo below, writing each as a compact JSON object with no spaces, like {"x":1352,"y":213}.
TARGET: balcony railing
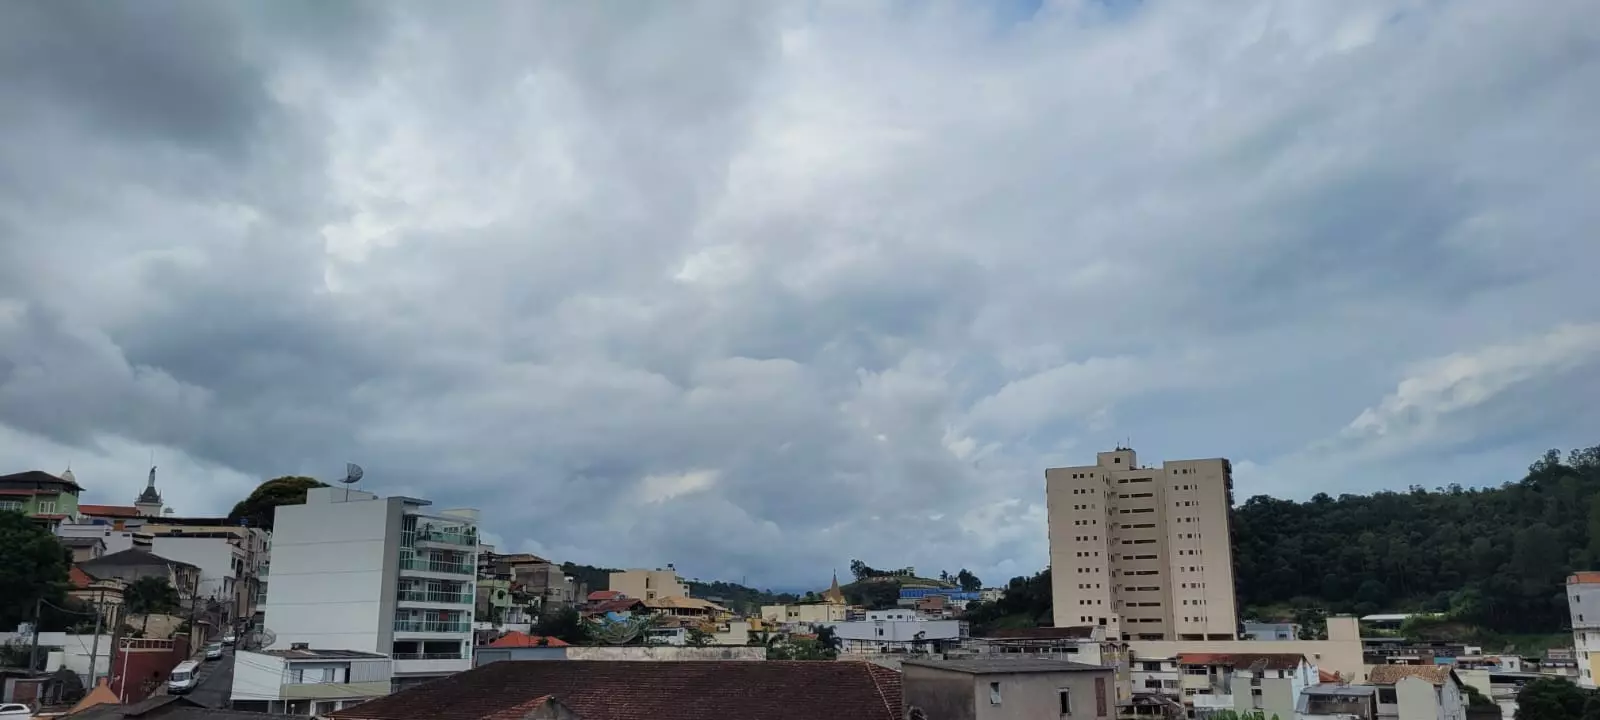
{"x":432,"y":626}
{"x":463,"y":539}
{"x":434,"y":596}
{"x":438,"y":566}
{"x":429,"y":656}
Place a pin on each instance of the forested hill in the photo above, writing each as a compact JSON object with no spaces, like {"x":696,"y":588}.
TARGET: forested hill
{"x":732,"y":595}
{"x":1497,"y":557}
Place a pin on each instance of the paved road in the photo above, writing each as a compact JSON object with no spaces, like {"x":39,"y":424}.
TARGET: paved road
{"x":214,"y":681}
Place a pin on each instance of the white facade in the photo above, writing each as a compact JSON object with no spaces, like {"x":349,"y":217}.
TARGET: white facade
{"x":354,"y":571}
{"x":307,"y":685}
{"x":877,"y":636}
{"x":1583,"y":602}
{"x":115,"y":540}
{"x":219,"y":560}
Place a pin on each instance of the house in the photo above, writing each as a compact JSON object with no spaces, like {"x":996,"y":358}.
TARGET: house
{"x":1245,"y":682}
{"x":40,"y":495}
{"x":1007,"y":689}
{"x":688,"y":607}
{"x":1270,"y":631}
{"x":305,"y":681}
{"x":84,"y":548}
{"x":1080,"y":644}
{"x":619,"y":606}
{"x":1333,"y":701}
{"x":161,"y":707}
{"x":872,"y":636}
{"x":602,"y":595}
{"x":137,"y":562}
{"x":516,"y":639}
{"x":386,"y":575}
{"x":597,"y":690}
{"x":105,"y":594}
{"x":1419,"y":691}
{"x":805,"y":614}
{"x":649,"y":584}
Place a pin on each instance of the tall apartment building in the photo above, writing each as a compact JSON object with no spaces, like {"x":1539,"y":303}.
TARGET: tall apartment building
{"x":354,"y":571}
{"x":1142,"y":551}
{"x":1583,"y":602}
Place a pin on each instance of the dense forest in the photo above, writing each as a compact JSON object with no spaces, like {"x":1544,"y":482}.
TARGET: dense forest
{"x":1495,"y":557}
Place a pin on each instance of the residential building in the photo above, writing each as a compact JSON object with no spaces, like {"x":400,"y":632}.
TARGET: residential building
{"x":1143,"y":551}
{"x":1007,"y":689}
{"x":163,"y":707}
{"x":593,"y":690}
{"x":1265,"y":631}
{"x":48,"y":498}
{"x":688,"y":608}
{"x":303,"y":681}
{"x":649,"y":584}
{"x":106,"y":595}
{"x":804,"y":613}
{"x":354,"y":571}
{"x":138,"y":562}
{"x":84,"y":549}
{"x":549,"y":584}
{"x":1412,"y":692}
{"x":116,"y":537}
{"x":872,"y":636}
{"x":1269,"y":683}
{"x":652,"y":652}
{"x":1583,"y":604}
{"x":1084,"y":644}
{"x":232,"y":558}
{"x":1334,"y":701}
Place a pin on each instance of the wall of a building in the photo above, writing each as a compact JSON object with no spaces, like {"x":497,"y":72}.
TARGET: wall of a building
{"x":804,"y":614}
{"x":648,"y":584}
{"x":1025,"y":696}
{"x":1417,"y":699}
{"x":334,"y":574}
{"x":1583,"y":604}
{"x":939,"y":693}
{"x":256,"y":676}
{"x":213,"y":555}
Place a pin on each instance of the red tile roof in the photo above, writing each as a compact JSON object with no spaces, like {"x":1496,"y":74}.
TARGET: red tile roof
{"x":517,"y":638}
{"x":615,"y":606}
{"x":599,"y":595}
{"x":78,"y":577}
{"x":628,"y":690}
{"x":1244,"y":661}
{"x":127,"y":511}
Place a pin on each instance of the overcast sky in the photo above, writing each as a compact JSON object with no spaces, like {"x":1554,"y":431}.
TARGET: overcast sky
{"x":757,"y":287}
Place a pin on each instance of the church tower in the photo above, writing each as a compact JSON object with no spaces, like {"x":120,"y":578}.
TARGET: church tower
{"x":149,"y":502}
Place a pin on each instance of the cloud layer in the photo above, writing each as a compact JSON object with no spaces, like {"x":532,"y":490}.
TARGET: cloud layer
{"x":757,"y":288}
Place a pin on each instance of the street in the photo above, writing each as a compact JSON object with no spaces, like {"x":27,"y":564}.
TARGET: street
{"x":214,"y":681}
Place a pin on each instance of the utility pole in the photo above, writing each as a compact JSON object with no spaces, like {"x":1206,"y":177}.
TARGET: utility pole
{"x":94,"y":648}
{"x":38,"y":618}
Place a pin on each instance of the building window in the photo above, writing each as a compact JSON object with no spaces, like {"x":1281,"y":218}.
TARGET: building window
{"x":1386,"y":696}
{"x":13,"y":505}
{"x":994,"y":693}
{"x":48,"y":507}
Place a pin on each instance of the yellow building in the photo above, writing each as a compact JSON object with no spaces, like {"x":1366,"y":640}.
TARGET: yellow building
{"x":649,"y":584}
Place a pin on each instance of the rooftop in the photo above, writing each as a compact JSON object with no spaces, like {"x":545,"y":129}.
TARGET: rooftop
{"x":116,"y":511}
{"x":685,"y":690}
{"x":81,"y":542}
{"x":1391,"y":674}
{"x":1080,"y":632}
{"x":1334,"y":689}
{"x":131,"y":557}
{"x":320,"y":654}
{"x":1244,"y":661}
{"x":165,"y":707}
{"x":1005,"y":665}
{"x":517,"y":638}
{"x":37,"y":478}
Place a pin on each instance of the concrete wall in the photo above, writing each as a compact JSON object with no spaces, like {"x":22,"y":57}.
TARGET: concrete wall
{"x":1417,"y":699}
{"x":804,"y":614}
{"x":1026,"y":696}
{"x":214,"y":556}
{"x":256,"y":676}
{"x":942,"y":694}
{"x":648,"y":584}
{"x":334,"y":572}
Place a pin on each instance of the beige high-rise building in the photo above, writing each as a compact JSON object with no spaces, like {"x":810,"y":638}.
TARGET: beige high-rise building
{"x":1143,"y":551}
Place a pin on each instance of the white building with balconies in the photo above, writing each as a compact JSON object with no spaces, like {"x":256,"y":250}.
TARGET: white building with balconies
{"x":354,"y":571}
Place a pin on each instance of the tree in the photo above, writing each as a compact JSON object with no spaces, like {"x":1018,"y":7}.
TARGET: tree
{"x":828,"y":640}
{"x":563,"y":624}
{"x":798,"y":648}
{"x":1476,"y":698}
{"x":33,"y":565}
{"x":968,"y":581}
{"x":150,"y":595}
{"x":257,"y":509}
{"x":1591,"y":707}
{"x":1550,"y":699}
{"x":699,"y":638}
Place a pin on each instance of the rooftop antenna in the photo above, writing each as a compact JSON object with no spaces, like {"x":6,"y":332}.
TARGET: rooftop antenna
{"x":352,"y":475}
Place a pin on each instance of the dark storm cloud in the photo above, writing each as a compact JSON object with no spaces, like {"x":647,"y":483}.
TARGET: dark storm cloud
{"x":757,"y":288}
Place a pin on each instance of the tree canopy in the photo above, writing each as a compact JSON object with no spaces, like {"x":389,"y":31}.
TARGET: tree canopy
{"x":258,"y":508}
{"x":33,"y":565}
{"x":1551,"y":699}
{"x":1495,"y":557}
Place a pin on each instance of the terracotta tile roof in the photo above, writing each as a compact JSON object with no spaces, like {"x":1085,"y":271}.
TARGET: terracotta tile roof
{"x":1391,"y":674}
{"x":1327,"y":676}
{"x":78,"y":577}
{"x":599,"y":595}
{"x":1081,"y":632}
{"x":1584,"y":577}
{"x":689,"y":690}
{"x":684,"y":603}
{"x":517,"y":638}
{"x":620,"y":605}
{"x":1244,"y":661}
{"x":127,"y":511}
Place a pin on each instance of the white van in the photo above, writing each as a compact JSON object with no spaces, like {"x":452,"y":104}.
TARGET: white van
{"x":182,"y":678}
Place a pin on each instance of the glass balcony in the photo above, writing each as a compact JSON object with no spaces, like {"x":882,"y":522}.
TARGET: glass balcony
{"x":434,"y":596}
{"x":461,"y":539}
{"x":432,"y":626}
{"x":438,"y":566}
{"x":429,"y":656}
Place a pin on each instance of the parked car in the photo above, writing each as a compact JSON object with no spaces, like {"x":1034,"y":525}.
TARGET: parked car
{"x":15,"y":711}
{"x":182,"y":679}
{"x":213,"y":651}
{"x":229,"y":639}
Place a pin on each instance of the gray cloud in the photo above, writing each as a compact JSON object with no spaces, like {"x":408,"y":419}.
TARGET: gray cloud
{"x":757,"y":288}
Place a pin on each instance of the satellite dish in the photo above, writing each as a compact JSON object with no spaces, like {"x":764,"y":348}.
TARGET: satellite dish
{"x":352,"y":473}
{"x":259,"y":639}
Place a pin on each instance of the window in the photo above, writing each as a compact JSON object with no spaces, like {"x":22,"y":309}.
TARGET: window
{"x":1064,"y":697}
{"x":48,"y":507}
{"x":1386,"y":696}
{"x":994,"y":693}
{"x":11,"y":505}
